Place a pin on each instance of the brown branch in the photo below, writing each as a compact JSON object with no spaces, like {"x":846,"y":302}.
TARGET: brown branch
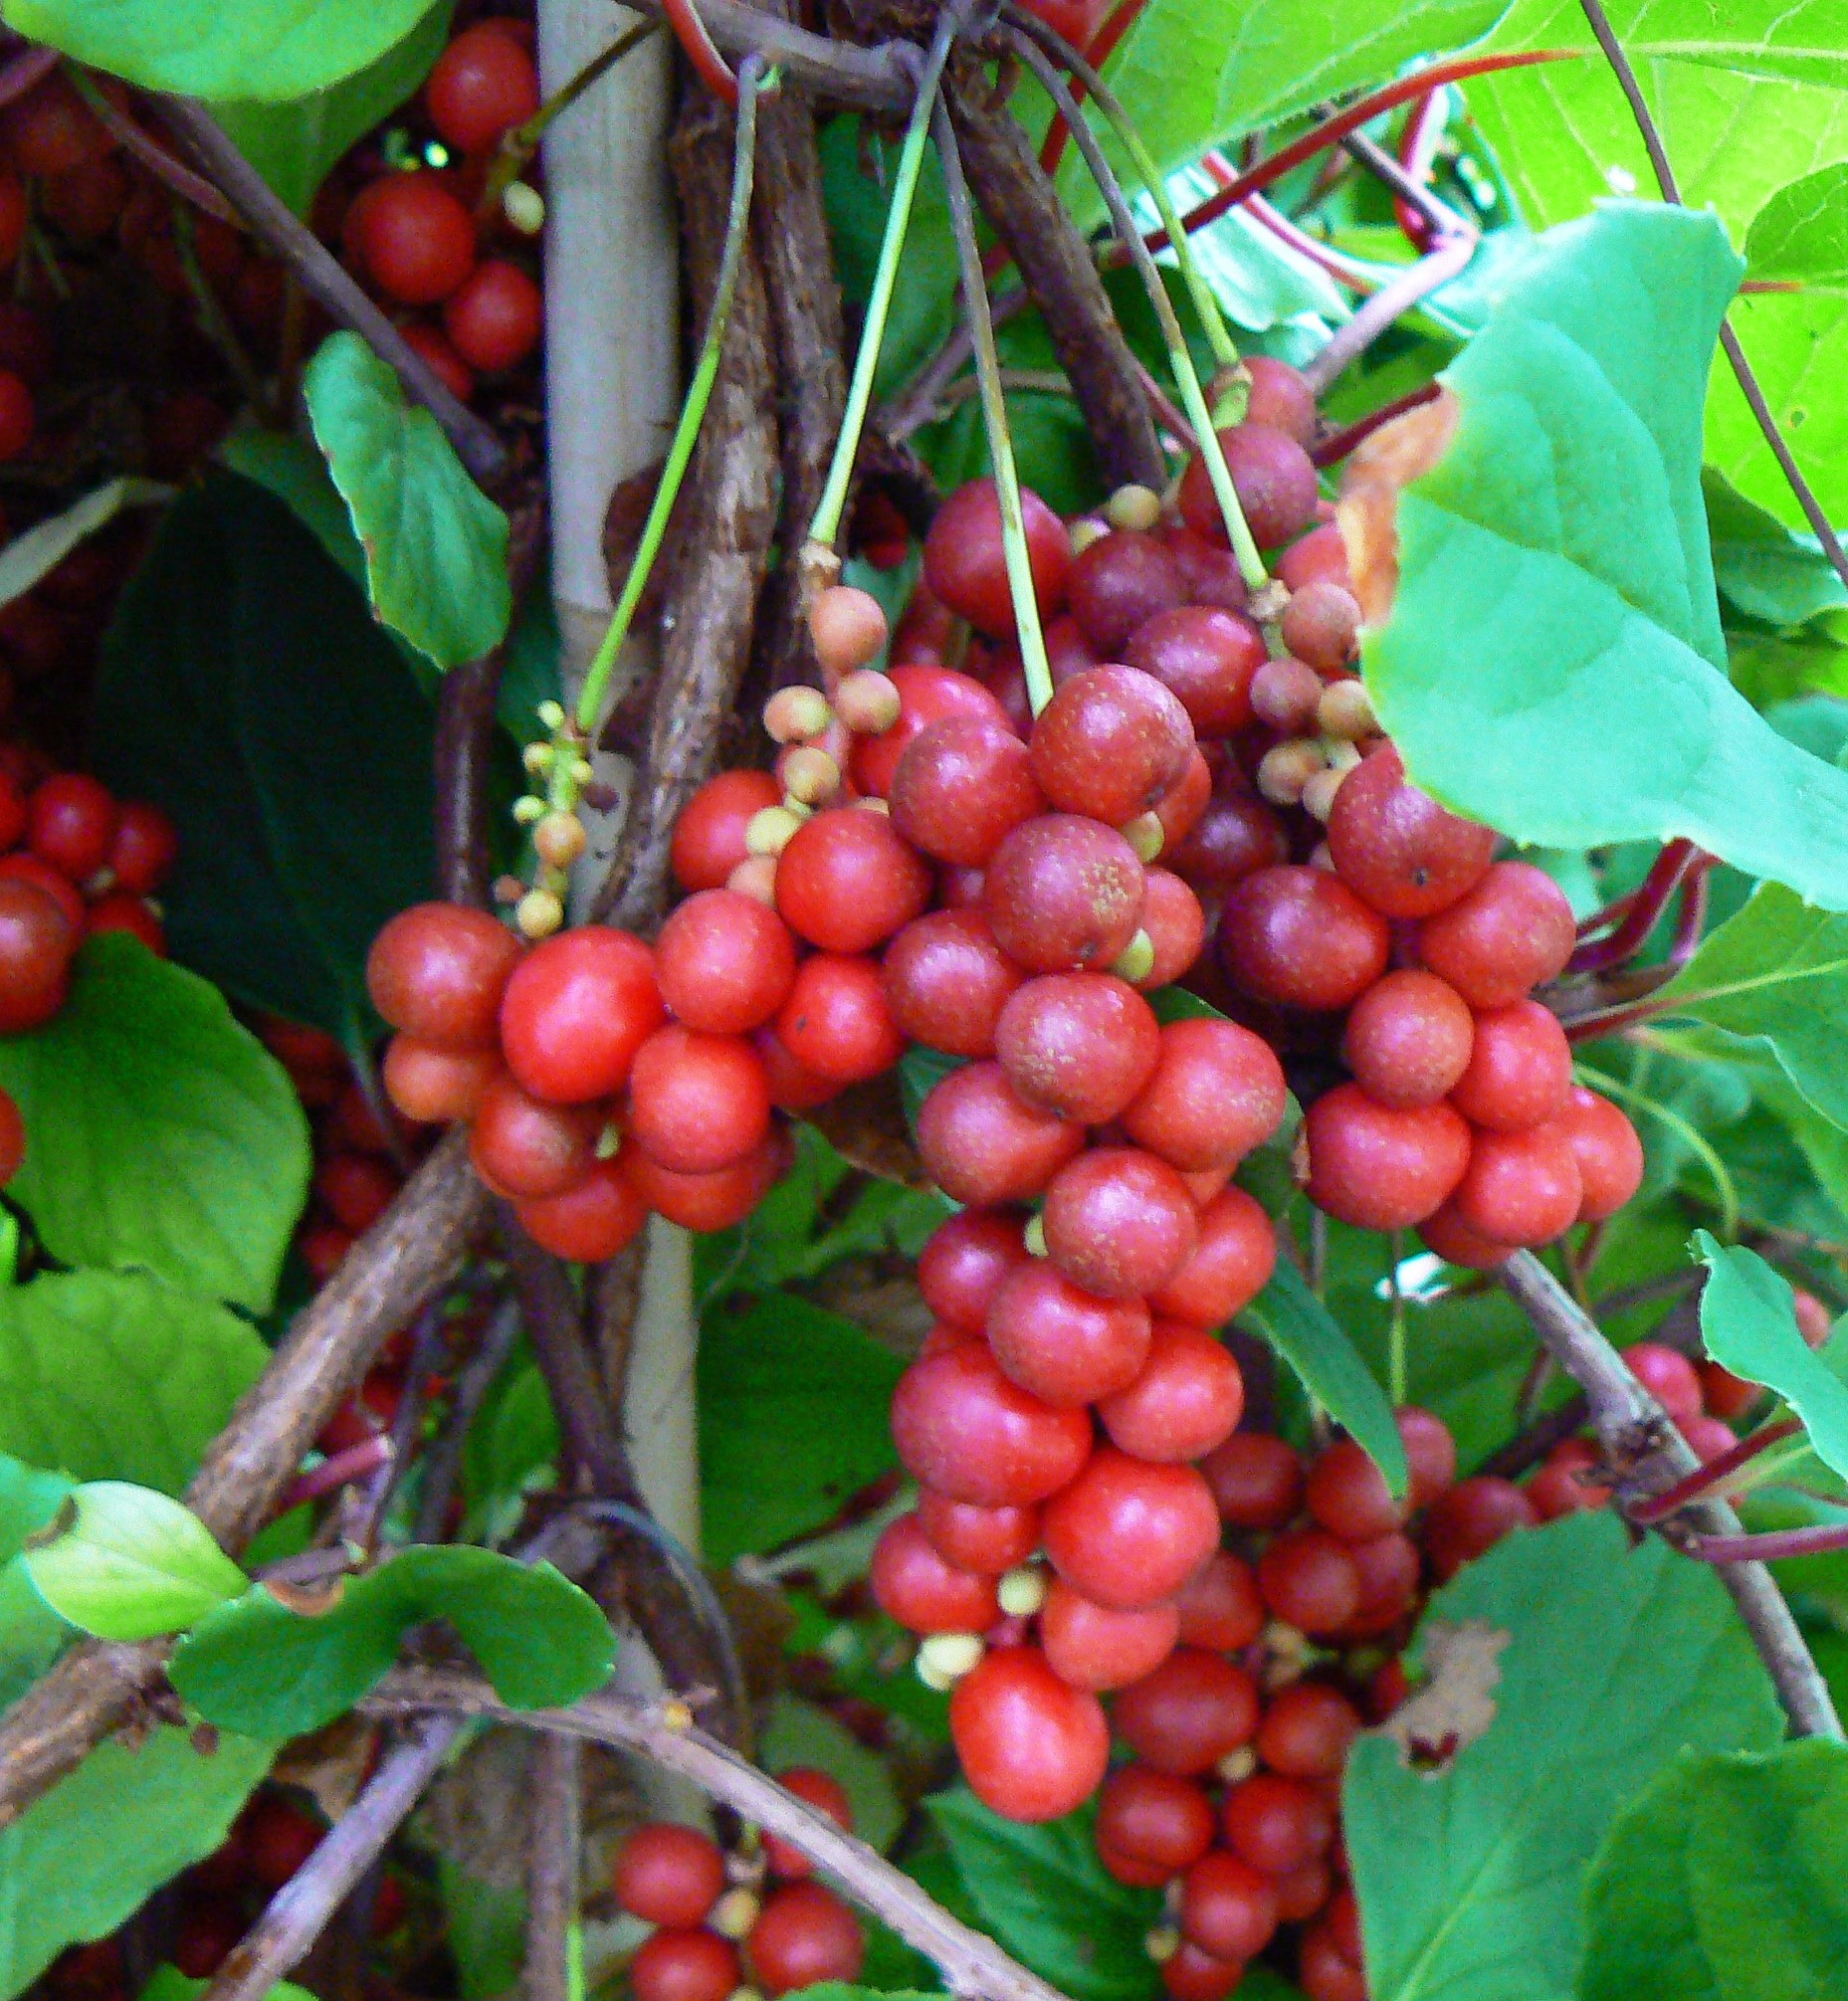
{"x":721,"y":562}
{"x":1648,"y":1456}
{"x":443,"y":1460}
{"x":300,"y":1912}
{"x":1624,"y":72}
{"x":1059,"y":270}
{"x":552,"y":1866}
{"x":972,"y":1966}
{"x":325,"y":280}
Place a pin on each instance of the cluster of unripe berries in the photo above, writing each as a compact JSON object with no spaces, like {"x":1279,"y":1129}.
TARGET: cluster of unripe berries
{"x":754,"y":1923}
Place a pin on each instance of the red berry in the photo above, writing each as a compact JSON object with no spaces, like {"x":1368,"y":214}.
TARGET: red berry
{"x":414,"y":237}
{"x":827,"y":1796}
{"x":1509,"y":932}
{"x":1280,"y":397}
{"x":1300,"y":937}
{"x":1191,"y":1974}
{"x":836,"y":1021}
{"x":1062,"y":893}
{"x":1062,"y":1344}
{"x":1609,"y":1152}
{"x":493,"y":318}
{"x":1389,"y":1574}
{"x":1457,"y":1242}
{"x":669,"y":1875}
{"x":983,"y":1147}
{"x":1380,"y":1168}
{"x":1031,"y":1748}
{"x":914,"y":1584}
{"x":1277,"y":1824}
{"x":438,"y":970}
{"x":987,"y":1539}
{"x":1272,"y":476}
{"x":1176,"y":928}
{"x":484,"y":84}
{"x":965,"y":564}
{"x":804,"y":1935}
{"x":146,"y":846}
{"x":1320,"y":556}
{"x":724,"y":964}
{"x":1306,"y":1730}
{"x":948,"y":982}
{"x":1119,"y":582}
{"x":1155,"y":1817}
{"x":356,"y":1189}
{"x":1227,"y":1908}
{"x":433,"y":1085}
{"x":72,"y":824}
{"x":1669,"y":1376}
{"x":693,"y":1966}
{"x":1112,"y":743}
{"x":205,"y":1939}
{"x":1215,"y":1091}
{"x":1219,"y":1605}
{"x":1119,"y":1222}
{"x":1408,"y":1039}
{"x":962,"y":1267}
{"x":434,"y":351}
{"x":1520,"y":1187}
{"x":1430,"y":1453}
{"x":1208,"y":656}
{"x":1191,"y":1712}
{"x":708,"y":836}
{"x":1471,"y":1519}
{"x":576,"y":1011}
{"x":964,"y":1431}
{"x":1237,"y":835}
{"x":1309,"y":1581}
{"x":36,"y":943}
{"x":1128,"y":1532}
{"x":715,"y":1201}
{"x":523,"y":1146}
{"x":848,"y":881}
{"x":962,"y":784}
{"x":120,"y":911}
{"x":1100,"y":1646}
{"x":1519,"y":1071}
{"x":1187,"y":1399}
{"x":1348,"y":1496}
{"x":591,"y":1222}
{"x":1080,"y":1045}
{"x":1397,"y":847}
{"x":1256,"y":1480}
{"x":698,"y":1103}
{"x":927,"y":695}
{"x":54,"y":882}
{"x":1231,"y":1266}
{"x":1321,"y":624}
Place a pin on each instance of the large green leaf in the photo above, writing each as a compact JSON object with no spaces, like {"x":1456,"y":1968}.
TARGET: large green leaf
{"x":257,"y":1665}
{"x":246,"y":690}
{"x":294,"y":145}
{"x":1802,"y":233}
{"x":1309,"y":1338}
{"x":128,"y":1563}
{"x":108,"y":1376}
{"x":31,"y":1633}
{"x":164,"y":1133}
{"x":792,"y":1419}
{"x":1616,"y":1658}
{"x":1045,"y":1895}
{"x":1726,"y":1880}
{"x":85,"y":1855}
{"x":1763,"y":569}
{"x":267,"y":49}
{"x":435,"y":544}
{"x":1552,"y":664}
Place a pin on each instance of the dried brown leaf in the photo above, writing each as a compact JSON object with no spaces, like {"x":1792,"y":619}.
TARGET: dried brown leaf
{"x":1381,"y":467}
{"x":1455,"y":1705}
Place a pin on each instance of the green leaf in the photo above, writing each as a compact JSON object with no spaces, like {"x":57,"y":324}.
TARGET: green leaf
{"x":90,"y":1853}
{"x":294,"y":145}
{"x":1748,"y":1324}
{"x":247,"y":690}
{"x":1615,"y":1660}
{"x":485,"y":1931}
{"x":1044,"y":1894}
{"x":29,"y":558}
{"x":1300,"y":1328}
{"x":1761,"y":567}
{"x":1777,"y":974}
{"x":164,"y":1133}
{"x":1802,"y":233}
{"x":168,"y":1983}
{"x":435,"y":544}
{"x":1571,"y":492}
{"x":267,"y":49}
{"x":31,"y":1633}
{"x":792,"y":1419}
{"x":1726,"y":1880}
{"x":258,"y":1667}
{"x":109,"y":1376}
{"x":123,"y":1562}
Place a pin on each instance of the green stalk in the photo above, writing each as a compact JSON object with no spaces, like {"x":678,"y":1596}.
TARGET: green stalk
{"x":827,"y":522}
{"x":1033,"y":660}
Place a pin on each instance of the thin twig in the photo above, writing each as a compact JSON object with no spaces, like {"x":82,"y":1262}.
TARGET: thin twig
{"x":300,"y":1912}
{"x":552,"y":1866}
{"x":919,"y":402}
{"x":972,"y":1966}
{"x":1443,"y":218}
{"x":443,"y":1462}
{"x":172,"y":173}
{"x":1648,"y":1455}
{"x":25,"y":72}
{"x":1746,"y":376}
{"x":1387,"y":308}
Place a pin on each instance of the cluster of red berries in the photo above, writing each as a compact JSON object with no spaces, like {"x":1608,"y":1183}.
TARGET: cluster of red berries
{"x":719,"y":1930}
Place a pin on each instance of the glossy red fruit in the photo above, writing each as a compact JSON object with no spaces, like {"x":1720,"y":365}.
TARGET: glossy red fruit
{"x":1237,"y":835}
{"x":72,"y":822}
{"x":1062,"y":1344}
{"x":1128,"y":1532}
{"x":1186,"y":1398}
{"x":985,"y":1540}
{"x":1607,"y":1149}
{"x":927,"y":692}
{"x":602,"y":1215}
{"x":1207,"y":657}
{"x":1327,"y":1973}
{"x":1519,"y":1072}
{"x":1520,"y":1187}
{"x":1080,"y":1045}
{"x":1031,"y":1747}
{"x":964,"y":1431}
{"x":1320,"y":556}
{"x":1231,"y":1264}
{"x":1390,"y":1570}
{"x":1155,"y":1817}
{"x":826,"y":1795}
{"x":1408,"y":1039}
{"x":1309,"y":1581}
{"x":1063,"y":894}
{"x":1379,"y":1168}
{"x":715,"y":1201}
{"x":983,"y":1147}
{"x":1509,"y":932}
{"x":960,"y":786}
{"x":415,"y":239}
{"x":118,"y":912}
{"x":1209,"y":570}
{"x":1219,"y":1605}
{"x":698,"y":1103}
{"x":804,"y":1935}
{"x":669,"y":1875}
{"x":724,"y":964}
{"x":1300,"y":937}
{"x":1181,"y":808}
{"x":708,"y":836}
{"x":145,"y":848}
{"x":1306,"y":1730}
{"x":1347,"y":1495}
{"x":1397,"y":847}
{"x":1708,"y":1437}
{"x":1256,"y":1480}
{"x":1119,"y":1222}
{"x":437,"y":971}
{"x":836,"y":1021}
{"x":1430,"y":1453}
{"x":1191,"y":1974}
{"x":576,"y":1011}
{"x":484,"y":84}
{"x":1112,"y":743}
{"x":433,"y":1085}
{"x":691,"y":1965}
{"x":848,"y":880}
{"x":1457,"y":1242}
{"x":1273,"y":476}
{"x":1100,"y":1646}
{"x":1227,"y":1908}
{"x":1471,"y":1519}
{"x":12,"y":1137}
{"x":914,"y":1584}
{"x":54,"y":882}
{"x":523,"y":1146}
{"x":965,"y":562}
{"x":962,"y":1267}
{"x":1280,"y":397}
{"x":1217,"y":1091}
{"x":36,"y":943}
{"x":1560,"y":1487}
{"x":1175,"y":925}
{"x":1277,"y":1824}
{"x":1669,"y":1376}
{"x":1119,"y":582}
{"x":355,"y":1190}
{"x":494,"y":317}
{"x":1187,"y":1715}
{"x":947,"y":982}
{"x":276,"y":1837}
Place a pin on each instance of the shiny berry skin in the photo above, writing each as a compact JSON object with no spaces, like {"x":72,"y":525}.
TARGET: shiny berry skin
{"x":689,"y":1965}
{"x":1119,"y":1222}
{"x":523,"y":1146}
{"x":1062,"y":1344}
{"x":1031,"y":1748}
{"x":72,"y":824}
{"x":1186,"y":1398}
{"x":965,"y":565}
{"x":1217,"y":1091}
{"x":1188,"y":1714}
{"x":1519,"y":1072}
{"x":1207,"y":657}
{"x":1306,"y":1730}
{"x":1397,"y":847}
{"x":1080,"y":1045}
{"x":602,"y":1215}
{"x":914,"y":1584}
{"x":494,"y":317}
{"x":986,"y":1539}
{"x":1277,"y":1824}
{"x":355,"y":1190}
{"x":484,"y":84}
{"x":1300,"y":937}
{"x":1669,"y":1376}
{"x":1182,"y":806}
{"x":414,"y":237}
{"x":964,"y":1431}
{"x":698,"y":1103}
{"x":927,"y":695}
{"x":1327,"y":1973}
{"x":1257,"y":1479}
{"x":575,"y":1012}
{"x":1220,"y":1606}
{"x":1280,"y":398}
{"x":1430,"y":1453}
{"x":1609,"y":1152}
{"x":145,"y":848}
{"x":1559,"y":1488}
{"x":960,"y":786}
{"x":436,"y":972}
{"x":1309,"y":1581}
{"x":1128,"y":1532}
{"x":1509,"y":932}
{"x":1273,"y":477}
{"x":948,"y":982}
{"x":708,"y":836}
{"x":1119,"y":582}
{"x":36,"y":943}
{"x":1471,"y":1519}
{"x":836,"y":1021}
{"x":1155,"y":1818}
{"x":1408,"y":1039}
{"x":724,"y":964}
{"x":1100,"y":1646}
{"x":1348,"y":1496}
{"x":1321,"y":624}
{"x":1112,"y":743}
{"x":1062,"y":893}
{"x":22,"y":867}
{"x":433,"y":1085}
{"x":1227,"y":1908}
{"x":848,"y":881}
{"x":1236,"y":835}
{"x":1457,"y":1242}
{"x":1320,"y":556}
{"x":12,"y":1137}
{"x":120,"y":911}
{"x":715,"y":1201}
{"x":983,"y":1147}
{"x":827,"y":1796}
{"x":1176,"y":927}
{"x":1380,"y":1168}
{"x":669,"y":1875}
{"x":1389,"y":1570}
{"x":1520,"y":1187}
{"x":960,"y":1269}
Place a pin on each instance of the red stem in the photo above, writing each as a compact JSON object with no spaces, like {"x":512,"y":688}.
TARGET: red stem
{"x":1097,"y":51}
{"x":1331,"y":449}
{"x":1816,"y":1542}
{"x":691,"y":32}
{"x":1636,"y":914}
{"x":1417,"y":148}
{"x":1697,"y":1485}
{"x":355,"y":1463}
